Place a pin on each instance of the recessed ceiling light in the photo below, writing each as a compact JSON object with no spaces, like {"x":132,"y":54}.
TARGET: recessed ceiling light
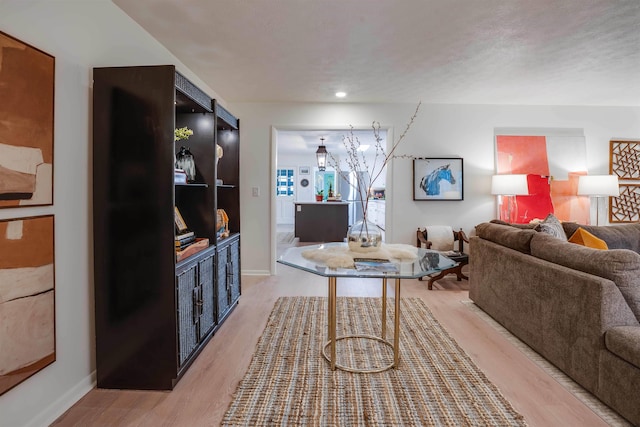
{"x":341,"y":94}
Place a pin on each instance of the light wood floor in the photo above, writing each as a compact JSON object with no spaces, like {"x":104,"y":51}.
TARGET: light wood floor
{"x":203,"y":394}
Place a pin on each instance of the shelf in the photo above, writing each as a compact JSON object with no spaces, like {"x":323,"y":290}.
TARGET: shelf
{"x":194,"y":184}
{"x":225,"y":186}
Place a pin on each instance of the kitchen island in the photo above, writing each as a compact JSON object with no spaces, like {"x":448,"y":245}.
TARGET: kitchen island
{"x":321,"y":221}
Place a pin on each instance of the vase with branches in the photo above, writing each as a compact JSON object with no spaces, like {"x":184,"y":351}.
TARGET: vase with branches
{"x":363,"y":235}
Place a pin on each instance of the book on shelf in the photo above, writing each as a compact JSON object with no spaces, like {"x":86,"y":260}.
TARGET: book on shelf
{"x":375,"y":264}
{"x":186,"y":235}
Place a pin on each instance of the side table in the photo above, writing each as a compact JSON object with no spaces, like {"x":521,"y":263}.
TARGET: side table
{"x":461,"y":260}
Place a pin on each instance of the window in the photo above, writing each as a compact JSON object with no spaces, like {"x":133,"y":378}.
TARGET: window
{"x":284,"y":182}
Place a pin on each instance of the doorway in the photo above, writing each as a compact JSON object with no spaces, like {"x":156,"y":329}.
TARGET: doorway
{"x":293,"y":152}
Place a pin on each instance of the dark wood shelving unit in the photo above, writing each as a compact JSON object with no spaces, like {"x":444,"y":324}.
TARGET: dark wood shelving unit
{"x":153,"y":313}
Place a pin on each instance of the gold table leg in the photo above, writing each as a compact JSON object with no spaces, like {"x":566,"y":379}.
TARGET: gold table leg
{"x":396,"y":329}
{"x":332,"y":325}
{"x":384,"y":308}
{"x":332,"y":320}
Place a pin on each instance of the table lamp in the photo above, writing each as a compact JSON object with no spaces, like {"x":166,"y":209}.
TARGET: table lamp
{"x":509,"y":185}
{"x":598,"y":186}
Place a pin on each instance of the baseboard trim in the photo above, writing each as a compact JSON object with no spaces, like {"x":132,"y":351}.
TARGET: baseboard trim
{"x":256,"y":273}
{"x":64,"y":402}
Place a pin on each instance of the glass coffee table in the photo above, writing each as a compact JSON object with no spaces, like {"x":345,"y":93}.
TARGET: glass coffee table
{"x":425,"y":263}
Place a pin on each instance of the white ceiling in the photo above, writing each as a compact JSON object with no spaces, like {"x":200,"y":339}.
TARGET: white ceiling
{"x":551,"y":52}
{"x":337,"y":141}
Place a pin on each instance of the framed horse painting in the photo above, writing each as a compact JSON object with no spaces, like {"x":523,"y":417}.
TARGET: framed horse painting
{"x":437,"y":179}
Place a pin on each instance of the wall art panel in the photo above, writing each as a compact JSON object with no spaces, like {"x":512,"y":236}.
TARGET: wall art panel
{"x":26,"y":124}
{"x":27,"y":298}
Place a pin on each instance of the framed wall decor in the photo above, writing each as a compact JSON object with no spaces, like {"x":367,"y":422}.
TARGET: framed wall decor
{"x":304,"y":170}
{"x":626,"y":207}
{"x":624,"y":159}
{"x":624,"y":162}
{"x":26,"y":128}
{"x":438,"y":179}
{"x":553,"y":161}
{"x":27,"y":305}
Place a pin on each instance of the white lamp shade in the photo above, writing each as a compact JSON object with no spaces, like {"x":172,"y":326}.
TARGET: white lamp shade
{"x":598,"y":185}
{"x":509,"y":185}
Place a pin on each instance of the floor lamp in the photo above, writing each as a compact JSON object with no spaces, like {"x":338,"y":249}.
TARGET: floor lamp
{"x":509,"y":186}
{"x":598,"y":186}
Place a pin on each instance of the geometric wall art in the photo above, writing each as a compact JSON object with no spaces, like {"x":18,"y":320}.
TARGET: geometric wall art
{"x":625,"y":159}
{"x":624,"y":162}
{"x":626,"y":208}
{"x":26,"y":128}
{"x":27,"y":298}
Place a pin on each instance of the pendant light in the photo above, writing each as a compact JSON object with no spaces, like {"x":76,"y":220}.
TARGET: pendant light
{"x":321,"y":155}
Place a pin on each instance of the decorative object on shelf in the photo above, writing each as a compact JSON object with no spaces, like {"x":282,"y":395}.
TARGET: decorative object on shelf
{"x":197,"y":246}
{"x":26,"y":152}
{"x":27,"y":312}
{"x":304,"y":182}
{"x":179,"y":176}
{"x":219,"y":153}
{"x":222,"y":224}
{"x":304,"y":170}
{"x":364,"y":236}
{"x":357,"y":163}
{"x":509,"y":186}
{"x":186,"y":162}
{"x":319,"y":195}
{"x":437,"y":179}
{"x":321,"y":155}
{"x":182,"y":133}
{"x":598,"y":186}
{"x":181,"y":225}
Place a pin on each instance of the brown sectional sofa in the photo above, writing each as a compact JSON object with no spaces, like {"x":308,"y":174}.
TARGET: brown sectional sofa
{"x":576,"y":306}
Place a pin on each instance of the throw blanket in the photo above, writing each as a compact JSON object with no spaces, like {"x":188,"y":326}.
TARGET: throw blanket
{"x":441,"y":237}
{"x":342,"y":257}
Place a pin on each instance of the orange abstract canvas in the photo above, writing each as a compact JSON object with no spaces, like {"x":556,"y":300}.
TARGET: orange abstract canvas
{"x":552,"y":166}
{"x":27,"y":294}
{"x":26,"y":127}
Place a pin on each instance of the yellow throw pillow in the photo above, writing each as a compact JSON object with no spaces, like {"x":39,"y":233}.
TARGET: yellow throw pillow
{"x":584,"y":238}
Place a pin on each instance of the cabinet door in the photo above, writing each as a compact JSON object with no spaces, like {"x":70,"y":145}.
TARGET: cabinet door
{"x":234,"y":266}
{"x":222,"y":283}
{"x":205,"y":278}
{"x":188,"y":312}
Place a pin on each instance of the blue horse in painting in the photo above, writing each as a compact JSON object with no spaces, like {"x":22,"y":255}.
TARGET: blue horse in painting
{"x":430,"y":184}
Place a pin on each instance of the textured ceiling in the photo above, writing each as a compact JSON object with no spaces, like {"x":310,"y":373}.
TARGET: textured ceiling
{"x":544,"y":52}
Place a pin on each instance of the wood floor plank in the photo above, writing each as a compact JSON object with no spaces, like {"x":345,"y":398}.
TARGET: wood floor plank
{"x":204,"y":393}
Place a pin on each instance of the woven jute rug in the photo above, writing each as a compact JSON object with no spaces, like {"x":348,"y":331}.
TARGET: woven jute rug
{"x":289,"y":383}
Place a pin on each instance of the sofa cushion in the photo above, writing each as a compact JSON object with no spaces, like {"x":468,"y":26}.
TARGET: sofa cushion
{"x":624,"y":342}
{"x":514,"y":224}
{"x":584,"y":238}
{"x":552,"y":225}
{"x":621,"y":266}
{"x":505,"y":235}
{"x":622,"y":236}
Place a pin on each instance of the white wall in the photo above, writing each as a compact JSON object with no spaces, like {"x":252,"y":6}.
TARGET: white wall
{"x":80,"y":35}
{"x":89,"y":33}
{"x":439,"y":130}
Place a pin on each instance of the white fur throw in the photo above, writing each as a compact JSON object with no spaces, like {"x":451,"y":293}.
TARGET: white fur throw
{"x":441,"y":237}
{"x":342,"y":256}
